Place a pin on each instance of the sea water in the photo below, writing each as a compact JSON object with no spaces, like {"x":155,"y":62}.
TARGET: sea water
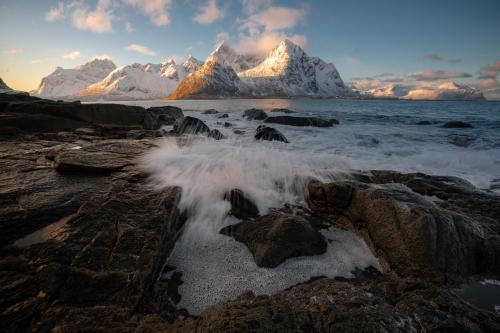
{"x":371,"y":135}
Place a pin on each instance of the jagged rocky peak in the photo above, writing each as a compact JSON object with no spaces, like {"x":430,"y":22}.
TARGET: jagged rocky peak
{"x":212,"y":80}
{"x":3,"y":85}
{"x":227,"y":56}
{"x":192,"y":64}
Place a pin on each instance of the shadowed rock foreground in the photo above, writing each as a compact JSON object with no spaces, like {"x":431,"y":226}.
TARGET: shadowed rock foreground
{"x":84,"y":238}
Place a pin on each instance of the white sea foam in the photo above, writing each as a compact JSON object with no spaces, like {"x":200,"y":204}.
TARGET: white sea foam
{"x":215,"y":267}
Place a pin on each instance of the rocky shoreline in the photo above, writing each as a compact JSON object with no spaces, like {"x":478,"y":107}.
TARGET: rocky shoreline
{"x":85,"y":237}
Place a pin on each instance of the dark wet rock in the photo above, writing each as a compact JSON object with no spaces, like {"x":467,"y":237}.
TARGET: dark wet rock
{"x":102,"y":157}
{"x":242,"y":207}
{"x":463,"y":141}
{"x":190,"y":125}
{"x":239,"y":132}
{"x":300,"y":121}
{"x":255,"y":114}
{"x":326,"y":305}
{"x":282,"y":110}
{"x":163,"y":116}
{"x":226,"y":124}
{"x":410,"y":233}
{"x":31,"y":114}
{"x":210,"y":111}
{"x":216,"y":134}
{"x":168,"y":110}
{"x":457,"y":124}
{"x":269,"y":134}
{"x":274,"y":238}
{"x":224,"y":115}
{"x":425,"y":122}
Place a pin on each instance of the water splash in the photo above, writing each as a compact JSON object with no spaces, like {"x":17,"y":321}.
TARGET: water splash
{"x":217,"y":268}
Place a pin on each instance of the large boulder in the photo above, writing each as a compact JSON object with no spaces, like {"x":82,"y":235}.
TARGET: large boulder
{"x":301,"y":121}
{"x":410,"y":233}
{"x":255,"y":114}
{"x":276,"y":237}
{"x":457,"y":124}
{"x":269,"y":134}
{"x":164,"y":115}
{"x":216,"y":134}
{"x":190,"y":125}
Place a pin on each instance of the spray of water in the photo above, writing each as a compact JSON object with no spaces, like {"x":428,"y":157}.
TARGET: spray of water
{"x":215,"y":267}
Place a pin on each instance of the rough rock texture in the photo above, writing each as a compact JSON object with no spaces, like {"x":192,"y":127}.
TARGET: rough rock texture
{"x":376,"y":304}
{"x":255,"y":114}
{"x":83,"y":236}
{"x":300,"y":121}
{"x":165,"y":115}
{"x":190,"y":125}
{"x":216,"y":134}
{"x":269,"y":134}
{"x":276,"y":237}
{"x":242,"y":207}
{"x":84,"y":239}
{"x":413,"y":234}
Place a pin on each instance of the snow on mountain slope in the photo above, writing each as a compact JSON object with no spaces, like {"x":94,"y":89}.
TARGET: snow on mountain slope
{"x":64,"y":83}
{"x":212,"y":80}
{"x":289,"y":71}
{"x":424,"y":91}
{"x":225,"y":55}
{"x":444,"y":91}
{"x":139,"y":81}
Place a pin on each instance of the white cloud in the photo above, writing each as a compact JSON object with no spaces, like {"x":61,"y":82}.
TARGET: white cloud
{"x":72,"y":55}
{"x":98,"y":20}
{"x":55,"y":13}
{"x":141,"y":49}
{"x":431,"y":75}
{"x":129,"y":27}
{"x":209,"y":13}
{"x":13,"y":51}
{"x":104,"y":57}
{"x":262,"y":31}
{"x":36,"y":61}
{"x":157,"y":10}
{"x":254,"y":6}
{"x":276,"y":18}
{"x":266,"y":41}
{"x":490,"y":71}
{"x":221,"y":36}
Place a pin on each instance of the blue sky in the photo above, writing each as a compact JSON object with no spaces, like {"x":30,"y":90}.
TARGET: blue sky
{"x":455,"y":39}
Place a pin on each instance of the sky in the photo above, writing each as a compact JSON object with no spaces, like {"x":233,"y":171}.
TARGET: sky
{"x":369,"y":41}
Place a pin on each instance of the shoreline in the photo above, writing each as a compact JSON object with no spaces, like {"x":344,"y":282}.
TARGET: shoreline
{"x":74,"y":178}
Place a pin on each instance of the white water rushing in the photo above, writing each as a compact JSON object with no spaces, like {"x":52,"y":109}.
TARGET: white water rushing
{"x":215,"y":267}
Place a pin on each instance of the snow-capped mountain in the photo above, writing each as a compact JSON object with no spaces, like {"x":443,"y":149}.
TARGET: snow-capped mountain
{"x":389,"y":91}
{"x":212,"y":80}
{"x":64,"y":83}
{"x":138,"y":81}
{"x":287,"y":71}
{"x":444,"y":91}
{"x":425,"y":91}
{"x":225,"y":55}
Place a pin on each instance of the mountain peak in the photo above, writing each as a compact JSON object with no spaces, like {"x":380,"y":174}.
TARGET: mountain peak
{"x":3,"y":85}
{"x":288,"y":47}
